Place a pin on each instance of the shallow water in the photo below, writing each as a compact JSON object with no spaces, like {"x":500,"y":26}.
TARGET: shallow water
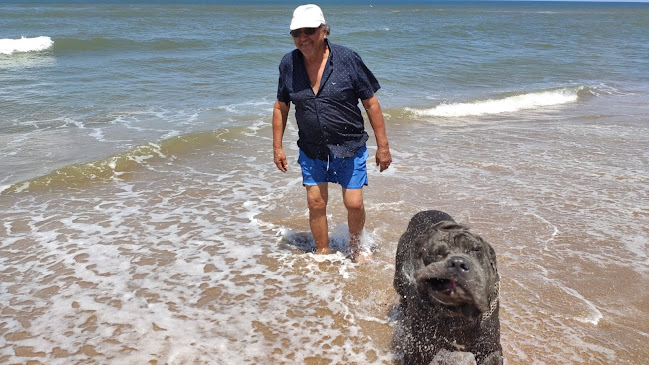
{"x":189,"y":258}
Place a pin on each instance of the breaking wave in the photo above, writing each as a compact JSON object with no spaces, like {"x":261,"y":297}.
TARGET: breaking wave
{"x":123,"y":165}
{"x":508,"y":104}
{"x":36,"y":44}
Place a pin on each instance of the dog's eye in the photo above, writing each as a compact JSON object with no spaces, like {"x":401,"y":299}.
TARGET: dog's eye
{"x":433,"y":257}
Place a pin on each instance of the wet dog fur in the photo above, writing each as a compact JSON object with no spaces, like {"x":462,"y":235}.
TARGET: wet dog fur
{"x":448,"y":286}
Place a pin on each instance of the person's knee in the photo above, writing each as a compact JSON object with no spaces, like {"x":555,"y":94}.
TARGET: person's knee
{"x":316,"y":203}
{"x":357,"y":208}
{"x":354,"y":203}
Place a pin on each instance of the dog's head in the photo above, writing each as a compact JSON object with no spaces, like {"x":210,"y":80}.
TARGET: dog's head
{"x":455,"y":267}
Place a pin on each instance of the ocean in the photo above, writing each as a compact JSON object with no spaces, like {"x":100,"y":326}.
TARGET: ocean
{"x":142,"y":219}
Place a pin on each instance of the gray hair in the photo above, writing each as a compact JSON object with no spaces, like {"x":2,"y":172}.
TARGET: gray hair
{"x":326,"y":27}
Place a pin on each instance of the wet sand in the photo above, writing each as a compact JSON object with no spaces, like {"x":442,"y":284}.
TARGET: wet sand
{"x":183,"y":260}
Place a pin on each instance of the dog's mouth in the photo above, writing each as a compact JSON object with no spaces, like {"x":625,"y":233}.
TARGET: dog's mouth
{"x":446,"y":286}
{"x":447,"y":291}
{"x":451,"y":292}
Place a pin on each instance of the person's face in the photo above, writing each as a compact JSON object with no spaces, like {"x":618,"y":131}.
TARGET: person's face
{"x":309,"y":40}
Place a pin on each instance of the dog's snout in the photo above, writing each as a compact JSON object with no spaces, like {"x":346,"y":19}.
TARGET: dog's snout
{"x":458,"y":264}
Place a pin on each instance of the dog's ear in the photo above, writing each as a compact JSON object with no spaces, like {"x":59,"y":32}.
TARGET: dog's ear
{"x":489,"y":253}
{"x":492,"y":257}
{"x":490,"y":261}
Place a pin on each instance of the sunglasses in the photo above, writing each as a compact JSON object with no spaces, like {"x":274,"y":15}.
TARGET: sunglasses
{"x":308,"y":31}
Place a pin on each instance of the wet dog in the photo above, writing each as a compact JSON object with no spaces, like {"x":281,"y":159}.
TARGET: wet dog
{"x":448,"y":286}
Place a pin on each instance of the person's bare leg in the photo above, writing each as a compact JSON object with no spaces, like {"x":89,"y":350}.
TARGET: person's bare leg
{"x":353,"y":199}
{"x":317,"y":197}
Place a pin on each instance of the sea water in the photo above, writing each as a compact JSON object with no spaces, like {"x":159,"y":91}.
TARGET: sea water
{"x":142,"y":219}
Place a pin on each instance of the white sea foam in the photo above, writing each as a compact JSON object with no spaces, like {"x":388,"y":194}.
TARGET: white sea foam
{"x":36,"y":44}
{"x":508,"y":104}
{"x":178,"y":263}
{"x":555,"y":231}
{"x":246,"y":107}
{"x":98,"y":134}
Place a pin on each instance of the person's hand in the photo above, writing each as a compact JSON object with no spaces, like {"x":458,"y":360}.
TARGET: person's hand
{"x":280,"y":159}
{"x":383,"y":158}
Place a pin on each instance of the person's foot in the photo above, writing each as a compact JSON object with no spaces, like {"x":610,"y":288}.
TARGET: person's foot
{"x":361,"y":257}
{"x":357,"y":254}
{"x":355,"y":248}
{"x":323,"y":251}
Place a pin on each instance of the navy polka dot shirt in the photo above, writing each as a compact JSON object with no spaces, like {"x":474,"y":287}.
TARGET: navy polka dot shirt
{"x":330,"y":121}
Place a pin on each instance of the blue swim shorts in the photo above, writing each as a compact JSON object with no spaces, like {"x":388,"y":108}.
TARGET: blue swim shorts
{"x":350,"y":173}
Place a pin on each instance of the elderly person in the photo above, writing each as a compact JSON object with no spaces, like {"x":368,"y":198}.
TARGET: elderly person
{"x":325,"y":81}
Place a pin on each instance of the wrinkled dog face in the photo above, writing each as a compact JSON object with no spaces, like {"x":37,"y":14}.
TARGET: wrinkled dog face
{"x":455,"y":267}
{"x":448,"y":285}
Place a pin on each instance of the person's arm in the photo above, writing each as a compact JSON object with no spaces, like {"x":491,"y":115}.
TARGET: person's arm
{"x":374,"y":113}
{"x":280,"y":116}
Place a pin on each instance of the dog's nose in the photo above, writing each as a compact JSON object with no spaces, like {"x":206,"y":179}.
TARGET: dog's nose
{"x":458,"y":264}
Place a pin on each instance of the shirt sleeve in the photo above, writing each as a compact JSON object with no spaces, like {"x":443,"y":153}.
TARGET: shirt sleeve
{"x":283,"y":94}
{"x":365,"y":82}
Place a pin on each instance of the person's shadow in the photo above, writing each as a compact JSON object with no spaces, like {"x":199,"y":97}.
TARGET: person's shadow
{"x":303,"y":241}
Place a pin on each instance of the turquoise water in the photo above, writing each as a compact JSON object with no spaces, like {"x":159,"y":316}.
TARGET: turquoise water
{"x":137,"y":73}
{"x":143,"y":220}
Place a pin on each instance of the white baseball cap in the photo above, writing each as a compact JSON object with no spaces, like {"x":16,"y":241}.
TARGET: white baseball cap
{"x":307,"y":16}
